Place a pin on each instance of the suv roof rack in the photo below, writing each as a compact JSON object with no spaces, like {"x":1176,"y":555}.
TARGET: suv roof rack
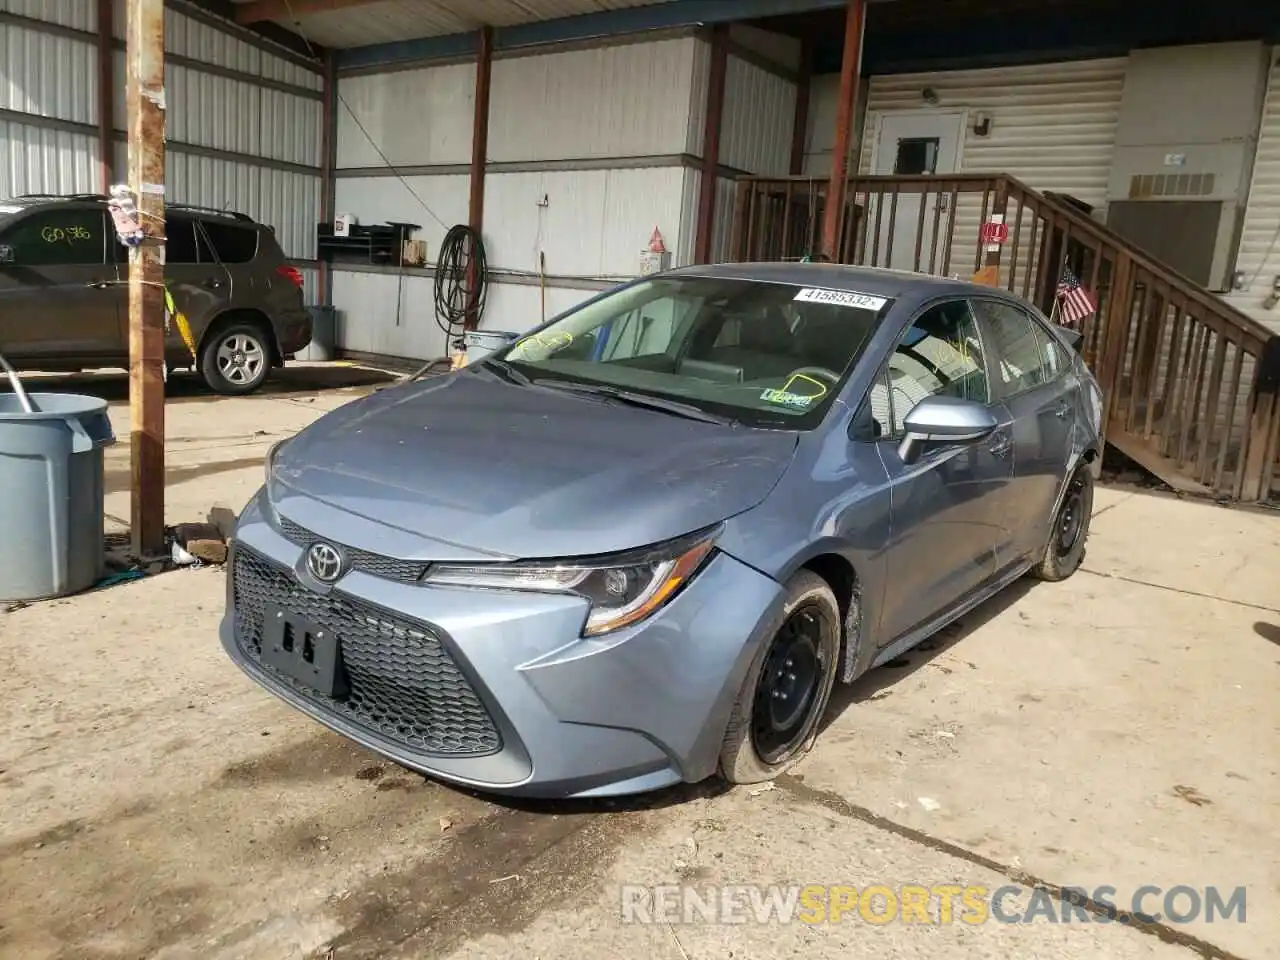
{"x":235,"y":215}
{"x":62,"y":196}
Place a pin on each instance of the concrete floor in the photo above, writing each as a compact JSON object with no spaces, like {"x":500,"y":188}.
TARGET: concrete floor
{"x":1118,"y":729}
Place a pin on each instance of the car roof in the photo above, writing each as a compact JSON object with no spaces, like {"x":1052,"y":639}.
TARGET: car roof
{"x":188,"y":210}
{"x":876,"y":281}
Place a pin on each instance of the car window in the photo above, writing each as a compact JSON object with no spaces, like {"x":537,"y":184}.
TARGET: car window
{"x":184,"y":242}
{"x":940,"y":354}
{"x":1056,"y":360}
{"x":768,"y":354}
{"x":233,"y":244}
{"x":1017,"y":352}
{"x":56,"y":237}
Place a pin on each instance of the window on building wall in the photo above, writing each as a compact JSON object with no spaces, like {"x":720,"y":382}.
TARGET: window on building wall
{"x":57,"y":237}
{"x":917,"y":156}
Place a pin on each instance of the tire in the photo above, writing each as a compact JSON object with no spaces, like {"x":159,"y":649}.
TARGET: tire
{"x":236,"y":358}
{"x":759,"y":745}
{"x":1064,"y":552}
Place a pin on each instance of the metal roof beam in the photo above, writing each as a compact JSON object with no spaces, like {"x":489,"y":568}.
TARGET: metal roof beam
{"x":258,"y":11}
{"x":587,"y":26}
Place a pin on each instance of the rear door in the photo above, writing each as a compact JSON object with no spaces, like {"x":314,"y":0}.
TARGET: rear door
{"x":948,"y":521}
{"x":60,"y":295}
{"x":196,"y":280}
{"x":1032,"y":376}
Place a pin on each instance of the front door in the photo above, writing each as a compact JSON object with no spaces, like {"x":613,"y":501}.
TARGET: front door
{"x":908,"y":144}
{"x":60,"y":296}
{"x":948,"y":507}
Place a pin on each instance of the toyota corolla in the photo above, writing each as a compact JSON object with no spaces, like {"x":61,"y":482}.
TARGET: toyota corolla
{"x":641,"y":544}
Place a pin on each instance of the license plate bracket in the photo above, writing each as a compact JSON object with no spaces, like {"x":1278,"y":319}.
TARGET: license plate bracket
{"x":305,"y":652}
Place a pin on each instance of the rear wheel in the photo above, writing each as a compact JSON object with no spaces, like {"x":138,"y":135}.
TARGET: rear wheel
{"x":775,"y":720}
{"x":1064,"y":552}
{"x":236,"y":358}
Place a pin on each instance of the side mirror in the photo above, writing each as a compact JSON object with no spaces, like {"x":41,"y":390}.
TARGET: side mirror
{"x":946,"y":420}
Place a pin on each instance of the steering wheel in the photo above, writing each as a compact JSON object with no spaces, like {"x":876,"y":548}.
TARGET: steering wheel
{"x":830,"y":376}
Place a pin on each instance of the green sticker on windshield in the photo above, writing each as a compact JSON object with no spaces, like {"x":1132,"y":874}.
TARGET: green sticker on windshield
{"x":782,"y":397}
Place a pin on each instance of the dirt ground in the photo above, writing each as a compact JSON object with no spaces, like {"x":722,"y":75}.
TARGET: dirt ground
{"x":1119,"y":729}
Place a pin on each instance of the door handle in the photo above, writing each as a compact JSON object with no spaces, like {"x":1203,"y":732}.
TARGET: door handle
{"x":213,"y":283}
{"x":1062,"y":410}
{"x":99,"y":284}
{"x":1000,"y":445}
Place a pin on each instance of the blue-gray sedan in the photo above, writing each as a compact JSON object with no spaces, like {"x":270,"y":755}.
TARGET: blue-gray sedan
{"x":641,"y":545}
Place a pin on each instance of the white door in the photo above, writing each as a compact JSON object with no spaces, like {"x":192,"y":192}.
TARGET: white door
{"x":913,"y":143}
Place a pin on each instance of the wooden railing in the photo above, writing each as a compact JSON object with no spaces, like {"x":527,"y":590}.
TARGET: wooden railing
{"x":1190,"y":383}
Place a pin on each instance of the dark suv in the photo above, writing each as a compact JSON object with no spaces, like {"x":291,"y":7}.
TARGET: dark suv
{"x":64,"y":291}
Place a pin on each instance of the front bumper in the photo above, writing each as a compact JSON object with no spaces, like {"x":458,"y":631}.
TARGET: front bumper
{"x":632,"y":711}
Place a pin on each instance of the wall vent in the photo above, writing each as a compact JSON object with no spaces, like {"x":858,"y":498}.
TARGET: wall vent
{"x":1148,"y":186}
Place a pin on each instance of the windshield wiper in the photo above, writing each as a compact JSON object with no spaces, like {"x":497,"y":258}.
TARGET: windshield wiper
{"x":644,"y":400}
{"x":506,"y":370}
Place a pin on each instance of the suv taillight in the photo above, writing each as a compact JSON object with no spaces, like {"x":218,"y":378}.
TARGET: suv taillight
{"x":292,"y":274}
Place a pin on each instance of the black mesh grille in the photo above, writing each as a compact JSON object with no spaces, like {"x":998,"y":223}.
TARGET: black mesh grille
{"x":388,"y":568}
{"x":404,"y":684}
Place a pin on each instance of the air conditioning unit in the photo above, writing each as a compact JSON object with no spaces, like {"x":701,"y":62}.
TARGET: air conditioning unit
{"x":1183,"y":160}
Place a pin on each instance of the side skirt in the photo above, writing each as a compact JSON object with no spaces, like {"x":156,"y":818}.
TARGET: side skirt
{"x":920,"y":634}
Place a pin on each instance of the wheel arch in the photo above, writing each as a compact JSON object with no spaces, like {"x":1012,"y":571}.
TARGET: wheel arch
{"x":825,"y":559}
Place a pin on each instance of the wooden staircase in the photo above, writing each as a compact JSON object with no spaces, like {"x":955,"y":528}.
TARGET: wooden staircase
{"x":1191,"y":383}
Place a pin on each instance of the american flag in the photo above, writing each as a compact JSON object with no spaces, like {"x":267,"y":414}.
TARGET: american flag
{"x":1074,"y":299}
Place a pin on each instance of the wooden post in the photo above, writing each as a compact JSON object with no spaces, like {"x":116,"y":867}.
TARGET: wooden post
{"x":845,"y":142}
{"x":479,"y":158}
{"x":711,"y":144}
{"x":106,"y":93}
{"x":1257,"y":462}
{"x":989,"y":273}
{"x":145,"y":56}
{"x":800,"y":126}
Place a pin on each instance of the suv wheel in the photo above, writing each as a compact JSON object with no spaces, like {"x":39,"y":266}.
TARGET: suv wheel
{"x":236,"y":359}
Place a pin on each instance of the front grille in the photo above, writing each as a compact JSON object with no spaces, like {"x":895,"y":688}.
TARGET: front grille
{"x":403,"y":683}
{"x":376,"y":565}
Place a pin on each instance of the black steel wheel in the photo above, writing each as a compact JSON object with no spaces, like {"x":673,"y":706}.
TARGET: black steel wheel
{"x":781,"y":702}
{"x":1064,"y":552}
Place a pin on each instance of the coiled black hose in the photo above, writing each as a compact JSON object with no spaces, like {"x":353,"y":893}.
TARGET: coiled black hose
{"x":461,"y":287}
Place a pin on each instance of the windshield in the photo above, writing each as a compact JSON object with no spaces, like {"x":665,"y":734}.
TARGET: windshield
{"x":764,"y":354}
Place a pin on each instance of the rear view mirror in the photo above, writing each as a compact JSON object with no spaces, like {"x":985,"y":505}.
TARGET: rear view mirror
{"x":947,"y":420}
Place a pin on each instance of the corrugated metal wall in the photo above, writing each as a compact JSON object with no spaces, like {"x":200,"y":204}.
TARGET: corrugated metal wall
{"x":1259,"y":258}
{"x":759,"y":113}
{"x":588,"y":152}
{"x":243,"y":133}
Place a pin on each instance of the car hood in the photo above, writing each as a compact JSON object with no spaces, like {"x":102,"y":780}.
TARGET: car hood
{"x":469,"y":467}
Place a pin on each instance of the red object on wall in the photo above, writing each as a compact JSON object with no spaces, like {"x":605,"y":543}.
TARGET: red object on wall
{"x":993,"y":232}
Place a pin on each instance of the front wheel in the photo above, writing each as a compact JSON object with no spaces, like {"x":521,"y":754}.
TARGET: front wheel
{"x":775,"y":720}
{"x":236,"y":359}
{"x":1064,"y":552}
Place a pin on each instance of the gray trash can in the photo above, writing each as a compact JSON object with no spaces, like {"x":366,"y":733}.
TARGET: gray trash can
{"x":481,"y":343}
{"x":324,"y":333}
{"x":51,"y":509}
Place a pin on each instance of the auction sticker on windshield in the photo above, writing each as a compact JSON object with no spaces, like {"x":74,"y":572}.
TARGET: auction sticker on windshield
{"x":841,"y":298}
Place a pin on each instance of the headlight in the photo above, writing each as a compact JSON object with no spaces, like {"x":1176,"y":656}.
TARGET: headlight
{"x":622,"y":589}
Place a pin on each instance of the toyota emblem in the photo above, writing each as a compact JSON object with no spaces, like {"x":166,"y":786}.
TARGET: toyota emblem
{"x":324,"y":562}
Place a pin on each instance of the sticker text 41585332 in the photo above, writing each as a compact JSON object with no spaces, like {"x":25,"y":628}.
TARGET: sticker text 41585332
{"x":841,"y":298}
